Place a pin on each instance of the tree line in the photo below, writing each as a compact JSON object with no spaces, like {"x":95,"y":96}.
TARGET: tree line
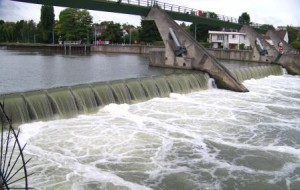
{"x":74,"y":25}
{"x":77,"y":25}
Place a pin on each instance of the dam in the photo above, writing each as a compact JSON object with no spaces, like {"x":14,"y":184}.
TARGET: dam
{"x":99,"y":122}
{"x":65,"y":91}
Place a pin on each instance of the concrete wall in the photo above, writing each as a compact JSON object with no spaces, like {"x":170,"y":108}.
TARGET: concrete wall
{"x":119,"y":48}
{"x":291,"y":62}
{"x":240,"y":55}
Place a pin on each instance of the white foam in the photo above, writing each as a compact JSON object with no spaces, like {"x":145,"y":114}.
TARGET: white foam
{"x":183,"y":133}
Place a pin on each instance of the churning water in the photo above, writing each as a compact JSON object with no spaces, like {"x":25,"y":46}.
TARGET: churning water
{"x":210,"y":139}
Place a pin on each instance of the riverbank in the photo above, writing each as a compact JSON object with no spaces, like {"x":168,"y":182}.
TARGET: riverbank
{"x":67,"y":48}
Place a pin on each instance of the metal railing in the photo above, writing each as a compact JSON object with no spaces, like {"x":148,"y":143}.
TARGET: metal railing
{"x":181,"y":9}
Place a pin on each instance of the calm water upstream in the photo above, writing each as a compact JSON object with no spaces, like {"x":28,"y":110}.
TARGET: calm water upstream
{"x":23,"y":70}
{"x":212,"y":139}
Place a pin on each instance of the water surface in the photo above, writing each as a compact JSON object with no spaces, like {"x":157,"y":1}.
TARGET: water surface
{"x":212,"y":139}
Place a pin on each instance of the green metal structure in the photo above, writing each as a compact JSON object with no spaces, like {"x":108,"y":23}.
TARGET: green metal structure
{"x":142,"y":8}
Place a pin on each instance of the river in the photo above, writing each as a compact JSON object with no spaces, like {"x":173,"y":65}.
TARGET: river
{"x":33,"y":70}
{"x":211,"y":139}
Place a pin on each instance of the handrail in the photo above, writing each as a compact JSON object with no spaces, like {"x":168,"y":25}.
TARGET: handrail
{"x":180,"y":9}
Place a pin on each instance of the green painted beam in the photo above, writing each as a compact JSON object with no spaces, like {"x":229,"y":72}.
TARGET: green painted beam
{"x":109,"y":6}
{"x":97,"y":5}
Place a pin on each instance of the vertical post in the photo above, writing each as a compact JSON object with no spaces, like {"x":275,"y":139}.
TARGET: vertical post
{"x":195,"y":32}
{"x":94,"y":34}
{"x":53,"y":35}
{"x":130,"y":36}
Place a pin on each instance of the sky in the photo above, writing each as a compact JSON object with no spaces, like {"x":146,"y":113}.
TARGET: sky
{"x":274,"y":12}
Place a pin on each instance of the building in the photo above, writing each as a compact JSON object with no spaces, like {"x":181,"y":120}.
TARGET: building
{"x":283,"y":35}
{"x":268,"y":39}
{"x":228,"y":40}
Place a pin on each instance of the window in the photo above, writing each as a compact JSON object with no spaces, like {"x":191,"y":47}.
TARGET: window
{"x":233,"y":35}
{"x":220,"y":37}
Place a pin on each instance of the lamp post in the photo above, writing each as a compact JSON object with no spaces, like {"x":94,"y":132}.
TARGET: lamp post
{"x":95,"y":34}
{"x":130,"y":36}
{"x":195,"y":31}
{"x":53,"y":34}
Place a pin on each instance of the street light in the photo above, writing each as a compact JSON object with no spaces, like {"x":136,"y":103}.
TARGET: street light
{"x":129,"y":35}
{"x":95,"y":34}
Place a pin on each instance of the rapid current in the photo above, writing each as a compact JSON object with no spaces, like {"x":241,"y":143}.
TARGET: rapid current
{"x":211,"y":139}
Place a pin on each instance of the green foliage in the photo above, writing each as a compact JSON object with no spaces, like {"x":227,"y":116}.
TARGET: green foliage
{"x":242,"y":47}
{"x":149,"y":32}
{"x":292,"y":33}
{"x":46,"y":24}
{"x":267,"y":27}
{"x":244,"y":18}
{"x":185,"y":27}
{"x":21,"y":31}
{"x":113,"y":32}
{"x":296,"y":44}
{"x":74,"y":24}
{"x":202,"y":31}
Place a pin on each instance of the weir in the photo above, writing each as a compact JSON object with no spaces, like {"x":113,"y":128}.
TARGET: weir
{"x":289,"y":60}
{"x":183,"y":51}
{"x":67,"y":102}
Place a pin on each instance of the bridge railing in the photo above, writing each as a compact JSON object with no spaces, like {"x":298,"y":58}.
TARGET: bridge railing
{"x":180,"y":9}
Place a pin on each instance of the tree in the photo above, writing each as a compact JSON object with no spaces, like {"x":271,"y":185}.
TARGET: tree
{"x":113,"y":32}
{"x":9,"y":31}
{"x":47,"y":23}
{"x":202,"y":31}
{"x":292,"y":33}
{"x":149,"y":32}
{"x":2,"y":39}
{"x":185,"y":27}
{"x":74,"y":24}
{"x":244,"y":19}
{"x":267,"y":27}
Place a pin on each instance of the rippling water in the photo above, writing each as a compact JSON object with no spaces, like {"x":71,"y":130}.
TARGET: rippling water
{"x":212,"y":139}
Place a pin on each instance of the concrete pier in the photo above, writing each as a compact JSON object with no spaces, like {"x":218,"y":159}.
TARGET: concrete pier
{"x":290,"y":61}
{"x":196,"y":56}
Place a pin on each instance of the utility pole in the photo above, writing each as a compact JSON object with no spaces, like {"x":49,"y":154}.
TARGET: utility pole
{"x":195,"y":32}
{"x":52,"y":34}
{"x":130,"y":36}
{"x":95,"y":34}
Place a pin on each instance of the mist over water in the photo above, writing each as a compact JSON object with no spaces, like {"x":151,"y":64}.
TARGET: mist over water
{"x":211,"y":139}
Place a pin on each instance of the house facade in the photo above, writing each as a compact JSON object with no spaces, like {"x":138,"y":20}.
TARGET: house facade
{"x":283,"y":35}
{"x":228,"y":40}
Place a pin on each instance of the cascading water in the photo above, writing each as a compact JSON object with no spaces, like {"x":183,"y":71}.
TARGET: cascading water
{"x":209,"y":139}
{"x":68,"y":102}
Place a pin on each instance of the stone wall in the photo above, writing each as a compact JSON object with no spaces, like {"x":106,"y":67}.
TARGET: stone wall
{"x":120,"y":48}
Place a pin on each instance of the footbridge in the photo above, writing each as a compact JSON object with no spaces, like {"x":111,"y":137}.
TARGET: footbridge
{"x":142,"y":8}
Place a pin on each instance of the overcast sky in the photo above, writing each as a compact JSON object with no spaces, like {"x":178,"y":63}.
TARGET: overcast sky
{"x":275,"y":12}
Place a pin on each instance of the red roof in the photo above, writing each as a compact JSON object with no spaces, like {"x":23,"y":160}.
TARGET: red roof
{"x":281,"y":33}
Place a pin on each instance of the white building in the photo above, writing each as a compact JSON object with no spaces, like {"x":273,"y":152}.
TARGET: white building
{"x":228,"y":40}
